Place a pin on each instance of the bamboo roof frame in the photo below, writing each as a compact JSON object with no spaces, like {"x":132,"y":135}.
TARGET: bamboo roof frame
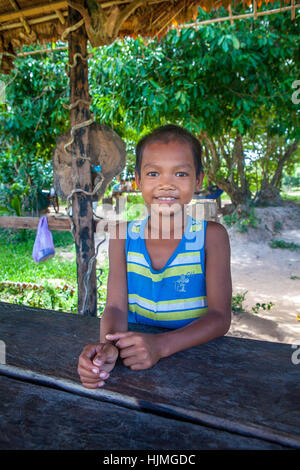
{"x":233,"y":18}
{"x":25,"y":22}
{"x":230,"y":18}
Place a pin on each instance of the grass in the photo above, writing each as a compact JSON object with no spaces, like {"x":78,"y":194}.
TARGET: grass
{"x":17,"y":264}
{"x":56,"y":278}
{"x":292,"y":195}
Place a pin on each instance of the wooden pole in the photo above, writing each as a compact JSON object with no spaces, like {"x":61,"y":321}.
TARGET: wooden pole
{"x":82,"y":210}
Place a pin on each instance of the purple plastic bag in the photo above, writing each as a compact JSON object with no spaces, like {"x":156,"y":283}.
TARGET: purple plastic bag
{"x":43,"y":247}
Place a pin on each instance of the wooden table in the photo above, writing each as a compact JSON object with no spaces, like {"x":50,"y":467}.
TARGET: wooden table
{"x":231,"y":393}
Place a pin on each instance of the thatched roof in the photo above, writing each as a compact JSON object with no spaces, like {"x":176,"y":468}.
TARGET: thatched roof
{"x":24,"y":22}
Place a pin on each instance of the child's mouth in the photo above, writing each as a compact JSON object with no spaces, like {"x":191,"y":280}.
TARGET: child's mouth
{"x":166,"y":200}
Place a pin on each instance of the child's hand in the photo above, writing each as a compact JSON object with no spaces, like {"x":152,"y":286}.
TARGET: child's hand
{"x":95,"y":363}
{"x":138,"y":350}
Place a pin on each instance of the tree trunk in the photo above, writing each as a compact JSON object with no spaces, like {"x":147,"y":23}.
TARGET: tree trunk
{"x":270,"y":190}
{"x":268,"y":194}
{"x":82,"y":210}
{"x":237,"y":188}
{"x":276,"y":180}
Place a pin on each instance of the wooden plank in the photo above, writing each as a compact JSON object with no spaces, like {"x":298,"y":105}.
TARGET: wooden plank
{"x":54,"y":222}
{"x":59,"y":223}
{"x":35,"y":417}
{"x":169,"y":410}
{"x":37,"y":10}
{"x":33,"y":21}
{"x":234,"y":379}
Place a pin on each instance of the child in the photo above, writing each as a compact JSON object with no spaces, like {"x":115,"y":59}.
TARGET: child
{"x":171,"y":270}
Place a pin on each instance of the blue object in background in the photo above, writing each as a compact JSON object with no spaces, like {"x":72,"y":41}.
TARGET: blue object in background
{"x":214,"y":193}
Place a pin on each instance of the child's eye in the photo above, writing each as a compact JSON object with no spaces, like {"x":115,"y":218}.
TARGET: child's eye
{"x":181,"y":173}
{"x":152,"y":173}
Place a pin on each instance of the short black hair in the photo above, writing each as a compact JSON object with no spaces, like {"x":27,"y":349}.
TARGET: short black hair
{"x":166,"y":134}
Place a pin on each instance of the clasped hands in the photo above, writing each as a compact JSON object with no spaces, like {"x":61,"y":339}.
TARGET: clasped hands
{"x":138,"y":350}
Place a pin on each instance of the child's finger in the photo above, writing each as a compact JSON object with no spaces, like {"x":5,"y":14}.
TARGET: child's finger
{"x":124,"y":340}
{"x":100,"y":376}
{"x":93,"y":376}
{"x":100,"y":359}
{"x":107,"y":356}
{"x":132,"y":360}
{"x":93,"y":385}
{"x":138,"y":366}
{"x":90,"y":351}
{"x":87,"y":355}
{"x":128,"y":352}
{"x":118,"y":335}
{"x":88,"y":372}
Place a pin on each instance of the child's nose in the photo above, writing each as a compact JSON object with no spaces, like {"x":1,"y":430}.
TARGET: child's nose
{"x":166,"y":180}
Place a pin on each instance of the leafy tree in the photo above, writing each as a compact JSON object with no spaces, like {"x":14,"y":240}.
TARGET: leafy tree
{"x":231,"y":85}
{"x":30,"y":119}
{"x":221,"y":82}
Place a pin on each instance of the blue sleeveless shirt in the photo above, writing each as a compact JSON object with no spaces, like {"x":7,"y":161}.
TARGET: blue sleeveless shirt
{"x":175,"y":295}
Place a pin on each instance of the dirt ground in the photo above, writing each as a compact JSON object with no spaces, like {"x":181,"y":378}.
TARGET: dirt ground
{"x":267,"y":274}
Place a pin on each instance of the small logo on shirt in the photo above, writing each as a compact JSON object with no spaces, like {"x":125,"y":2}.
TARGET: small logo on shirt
{"x":180,"y":284}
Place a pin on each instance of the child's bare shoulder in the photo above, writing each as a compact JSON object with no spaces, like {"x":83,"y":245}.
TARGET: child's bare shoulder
{"x":116,"y":247}
{"x":216,"y":235}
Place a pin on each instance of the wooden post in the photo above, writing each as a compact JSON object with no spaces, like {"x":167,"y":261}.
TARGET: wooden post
{"x":82,"y":210}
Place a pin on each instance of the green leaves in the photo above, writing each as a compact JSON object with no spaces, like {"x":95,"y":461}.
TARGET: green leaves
{"x":220,"y":78}
{"x":29,"y":122}
{"x":16,"y":205}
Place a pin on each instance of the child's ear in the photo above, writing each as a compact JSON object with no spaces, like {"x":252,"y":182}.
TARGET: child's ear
{"x":137,"y":179}
{"x":199,"y":180}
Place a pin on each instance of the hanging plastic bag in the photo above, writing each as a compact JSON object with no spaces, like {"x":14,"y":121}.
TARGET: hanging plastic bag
{"x":43,"y":247}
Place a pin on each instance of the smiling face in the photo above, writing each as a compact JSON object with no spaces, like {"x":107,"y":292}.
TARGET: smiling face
{"x":168,"y":176}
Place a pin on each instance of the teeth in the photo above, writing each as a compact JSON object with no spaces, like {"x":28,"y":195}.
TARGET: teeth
{"x":166,"y":198}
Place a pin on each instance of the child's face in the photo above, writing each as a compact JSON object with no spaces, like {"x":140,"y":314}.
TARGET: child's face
{"x":168,"y":170}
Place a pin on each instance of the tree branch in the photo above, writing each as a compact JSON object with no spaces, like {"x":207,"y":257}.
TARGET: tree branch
{"x":125,"y":13}
{"x":287,"y":154}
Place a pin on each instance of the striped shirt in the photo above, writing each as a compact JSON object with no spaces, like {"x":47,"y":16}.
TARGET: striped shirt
{"x":175,"y":295}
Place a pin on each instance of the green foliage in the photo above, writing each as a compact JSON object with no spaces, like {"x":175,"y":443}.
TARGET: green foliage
{"x":215,"y":78}
{"x":277,"y":226}
{"x":292,"y":180}
{"x":60,"y":298}
{"x":56,"y":277}
{"x":237,"y":304}
{"x":30,"y":119}
{"x":237,"y":301}
{"x":222,"y":79}
{"x":242,"y":219}
{"x":263,"y":306}
{"x":284,"y":245}
{"x":17,"y":264}
{"x":135,"y":207}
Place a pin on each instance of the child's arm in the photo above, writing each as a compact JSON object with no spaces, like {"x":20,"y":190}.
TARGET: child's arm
{"x":97,"y":360}
{"x":115,"y":315}
{"x":212,"y":325}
